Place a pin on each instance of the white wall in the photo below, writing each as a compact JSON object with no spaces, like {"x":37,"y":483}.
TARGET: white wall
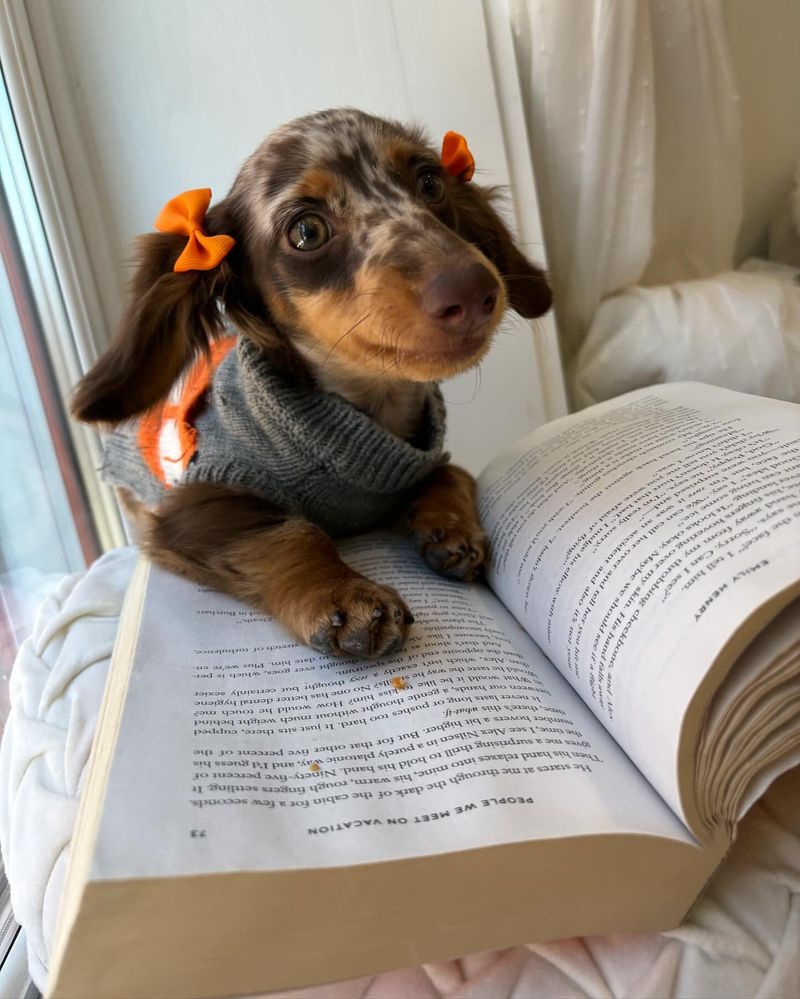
{"x":765,"y":47}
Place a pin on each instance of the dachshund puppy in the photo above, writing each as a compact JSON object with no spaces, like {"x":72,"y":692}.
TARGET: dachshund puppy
{"x":273,"y":381}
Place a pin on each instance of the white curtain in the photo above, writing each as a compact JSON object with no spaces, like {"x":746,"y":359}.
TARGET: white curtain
{"x":635,"y":132}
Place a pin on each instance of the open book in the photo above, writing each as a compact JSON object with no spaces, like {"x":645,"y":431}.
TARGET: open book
{"x":565,"y":751}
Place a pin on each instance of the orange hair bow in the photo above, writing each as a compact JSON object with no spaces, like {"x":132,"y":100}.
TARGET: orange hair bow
{"x":184,"y":215}
{"x":456,"y":157}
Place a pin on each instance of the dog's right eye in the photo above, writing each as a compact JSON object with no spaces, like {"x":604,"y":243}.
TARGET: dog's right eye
{"x":309,"y":232}
{"x":430,"y":187}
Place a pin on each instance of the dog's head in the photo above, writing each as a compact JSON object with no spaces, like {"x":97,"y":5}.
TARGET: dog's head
{"x":352,"y":242}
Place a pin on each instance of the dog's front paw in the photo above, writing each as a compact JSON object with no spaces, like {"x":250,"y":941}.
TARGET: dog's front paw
{"x":453,"y":547}
{"x":360,"y":619}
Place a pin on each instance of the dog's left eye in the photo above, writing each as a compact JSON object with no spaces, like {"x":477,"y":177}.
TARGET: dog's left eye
{"x":430,"y":187}
{"x":309,"y":232}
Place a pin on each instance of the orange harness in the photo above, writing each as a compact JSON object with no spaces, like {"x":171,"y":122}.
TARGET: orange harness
{"x":167,"y":435}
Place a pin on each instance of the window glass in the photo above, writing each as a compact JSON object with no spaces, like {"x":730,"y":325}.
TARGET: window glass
{"x":46,"y":527}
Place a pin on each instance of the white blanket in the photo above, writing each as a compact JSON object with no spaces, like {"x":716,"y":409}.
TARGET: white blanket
{"x":742,"y":938}
{"x":739,"y":330}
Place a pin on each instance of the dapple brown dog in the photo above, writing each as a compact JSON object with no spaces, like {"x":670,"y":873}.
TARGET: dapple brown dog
{"x":363,"y":271}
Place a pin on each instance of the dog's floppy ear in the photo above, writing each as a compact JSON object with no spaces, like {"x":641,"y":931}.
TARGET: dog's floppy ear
{"x":172,"y":317}
{"x":476,"y":221}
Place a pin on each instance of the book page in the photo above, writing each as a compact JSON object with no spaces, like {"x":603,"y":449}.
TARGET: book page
{"x":240,"y":750}
{"x":751,"y":732}
{"x":632,"y":539}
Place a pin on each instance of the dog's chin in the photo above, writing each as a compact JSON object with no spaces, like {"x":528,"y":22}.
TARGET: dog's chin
{"x":437,"y":355}
{"x":434,"y":366}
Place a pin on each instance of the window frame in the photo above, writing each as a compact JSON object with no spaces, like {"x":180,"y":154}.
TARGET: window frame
{"x":52,"y":250}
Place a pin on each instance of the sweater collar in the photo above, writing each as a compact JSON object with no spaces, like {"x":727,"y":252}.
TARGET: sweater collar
{"x":332,"y":432}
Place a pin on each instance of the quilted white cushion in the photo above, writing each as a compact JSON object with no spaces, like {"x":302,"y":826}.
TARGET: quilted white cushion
{"x":742,"y":938}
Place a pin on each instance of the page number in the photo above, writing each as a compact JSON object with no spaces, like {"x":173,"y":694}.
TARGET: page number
{"x":197,"y":833}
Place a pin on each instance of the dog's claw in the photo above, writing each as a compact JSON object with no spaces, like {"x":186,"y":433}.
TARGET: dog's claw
{"x":358,"y":645}
{"x":321,"y":640}
{"x":393,"y":646}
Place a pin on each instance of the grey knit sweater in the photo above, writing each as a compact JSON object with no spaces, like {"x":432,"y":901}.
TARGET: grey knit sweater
{"x":306,"y":451}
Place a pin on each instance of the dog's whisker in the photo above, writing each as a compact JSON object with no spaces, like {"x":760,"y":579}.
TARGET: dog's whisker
{"x":512,"y":276}
{"x":478,"y":383}
{"x":346,"y":333}
{"x":384,"y":345}
{"x":475,"y":391}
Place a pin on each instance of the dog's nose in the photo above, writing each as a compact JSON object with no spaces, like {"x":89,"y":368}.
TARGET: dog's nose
{"x":463,"y":299}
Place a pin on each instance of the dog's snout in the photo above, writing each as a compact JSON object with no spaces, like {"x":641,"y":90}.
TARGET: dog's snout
{"x":461,"y":299}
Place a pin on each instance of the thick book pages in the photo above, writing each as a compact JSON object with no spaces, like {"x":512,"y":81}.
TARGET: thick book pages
{"x":258,"y":816}
{"x":643,"y":544}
